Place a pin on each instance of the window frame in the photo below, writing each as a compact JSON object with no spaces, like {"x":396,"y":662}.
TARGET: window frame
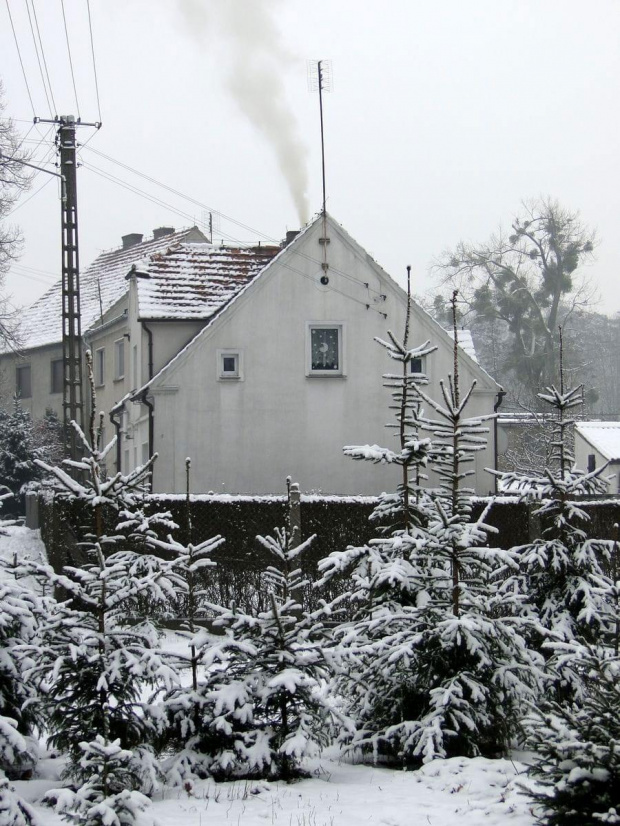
{"x":339,"y":326}
{"x":19,"y":370}
{"x":423,"y":365}
{"x":100,"y":365}
{"x":227,"y":375}
{"x":53,"y":390}
{"x":119,"y":369}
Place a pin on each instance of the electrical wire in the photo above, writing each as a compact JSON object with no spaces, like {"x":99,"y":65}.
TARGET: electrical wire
{"x":158,"y":201}
{"x":64,"y":18}
{"x":49,"y":83}
{"x":92,"y":49}
{"x":254,"y":231}
{"x":36,"y":51}
{"x":8,"y":8}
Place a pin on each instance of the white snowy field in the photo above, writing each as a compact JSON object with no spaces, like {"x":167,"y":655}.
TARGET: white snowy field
{"x":446,"y":792}
{"x":336,"y":793}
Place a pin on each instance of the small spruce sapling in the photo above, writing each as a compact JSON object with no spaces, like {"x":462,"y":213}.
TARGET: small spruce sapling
{"x":268,"y":701}
{"x":109,"y":796}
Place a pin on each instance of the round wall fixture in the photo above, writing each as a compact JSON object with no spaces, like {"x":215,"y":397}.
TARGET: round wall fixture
{"x":324,"y":280}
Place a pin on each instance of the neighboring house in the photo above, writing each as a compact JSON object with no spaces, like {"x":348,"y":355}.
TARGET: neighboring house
{"x":258,"y":363}
{"x":598,"y":444}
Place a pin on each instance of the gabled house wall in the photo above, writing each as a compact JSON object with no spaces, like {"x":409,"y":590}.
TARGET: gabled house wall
{"x":248,"y":434}
{"x":584,"y":450}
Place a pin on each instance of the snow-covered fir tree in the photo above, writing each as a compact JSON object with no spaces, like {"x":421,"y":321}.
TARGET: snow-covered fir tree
{"x":564,"y":570}
{"x":94,"y":658}
{"x":434,"y":661}
{"x":19,"y":452}
{"x":577,"y":746}
{"x":109,"y":796}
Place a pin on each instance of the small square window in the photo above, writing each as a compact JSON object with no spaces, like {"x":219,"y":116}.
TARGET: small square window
{"x":100,"y":367}
{"x":119,"y":359}
{"x":325,"y":350}
{"x":229,"y":364}
{"x":418,"y":366}
{"x":23,"y":385}
{"x":57,"y":375}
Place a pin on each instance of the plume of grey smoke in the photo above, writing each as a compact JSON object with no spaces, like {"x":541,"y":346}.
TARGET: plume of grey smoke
{"x":255,"y":59}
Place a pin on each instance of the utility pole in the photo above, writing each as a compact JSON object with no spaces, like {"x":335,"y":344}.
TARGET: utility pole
{"x":72,"y":402}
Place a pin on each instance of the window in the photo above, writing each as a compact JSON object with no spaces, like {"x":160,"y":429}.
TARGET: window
{"x":418,"y":366}
{"x":134,"y":366}
{"x":591,"y":462}
{"x":229,"y":364}
{"x":119,"y":359}
{"x":57,"y":376}
{"x":325,"y":350}
{"x":23,"y":386}
{"x":100,"y":367}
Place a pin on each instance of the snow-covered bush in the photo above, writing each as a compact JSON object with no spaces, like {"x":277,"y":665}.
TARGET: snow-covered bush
{"x":434,"y":662}
{"x":577,"y":747}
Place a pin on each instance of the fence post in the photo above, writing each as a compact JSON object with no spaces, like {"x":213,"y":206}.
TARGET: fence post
{"x":32,"y":510}
{"x":294,"y":513}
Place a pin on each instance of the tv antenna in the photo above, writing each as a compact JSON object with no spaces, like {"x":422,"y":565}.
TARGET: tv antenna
{"x":320,"y":80}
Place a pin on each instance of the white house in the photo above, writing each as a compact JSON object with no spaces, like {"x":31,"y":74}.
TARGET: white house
{"x":259,"y":363}
{"x":597,"y":444}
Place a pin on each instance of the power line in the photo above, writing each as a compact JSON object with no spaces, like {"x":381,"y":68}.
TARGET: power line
{"x":49,"y":83}
{"x":36,"y":51}
{"x":20,"y":56}
{"x":92,"y":49}
{"x":64,"y":18}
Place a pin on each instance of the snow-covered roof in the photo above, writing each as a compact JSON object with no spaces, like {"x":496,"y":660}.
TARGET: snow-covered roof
{"x":101,"y":286}
{"x":194,"y":281}
{"x":603,"y":436}
{"x":465,"y":341}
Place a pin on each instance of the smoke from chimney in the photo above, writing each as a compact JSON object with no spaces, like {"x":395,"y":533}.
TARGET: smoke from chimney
{"x":256,"y":59}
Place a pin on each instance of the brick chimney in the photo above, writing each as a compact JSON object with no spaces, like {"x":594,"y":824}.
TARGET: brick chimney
{"x":291,"y":234}
{"x":132,"y":239}
{"x":161,"y":231}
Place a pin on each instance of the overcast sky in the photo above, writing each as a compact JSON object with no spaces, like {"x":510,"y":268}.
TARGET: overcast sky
{"x":443,"y":117}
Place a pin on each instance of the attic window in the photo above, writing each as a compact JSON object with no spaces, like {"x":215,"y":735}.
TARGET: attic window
{"x":325,"y":351}
{"x":591,"y":462}
{"x":418,"y":366}
{"x":229,"y":364}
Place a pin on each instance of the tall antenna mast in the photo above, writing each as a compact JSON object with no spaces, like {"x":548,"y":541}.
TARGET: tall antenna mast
{"x":320,"y":77}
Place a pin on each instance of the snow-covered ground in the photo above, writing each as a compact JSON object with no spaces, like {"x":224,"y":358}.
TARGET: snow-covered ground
{"x":444,"y":793}
{"x":337,"y":792}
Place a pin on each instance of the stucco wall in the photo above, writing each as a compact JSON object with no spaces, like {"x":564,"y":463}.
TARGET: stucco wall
{"x":40,"y":360}
{"x":248,"y":435}
{"x":611,"y":473}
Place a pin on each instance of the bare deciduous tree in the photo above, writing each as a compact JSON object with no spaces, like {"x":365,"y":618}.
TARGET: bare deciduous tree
{"x":528,"y":280}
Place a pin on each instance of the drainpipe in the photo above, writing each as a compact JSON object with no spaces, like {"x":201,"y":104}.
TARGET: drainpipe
{"x":496,"y":407}
{"x":117,"y":427}
{"x":145,"y":400}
